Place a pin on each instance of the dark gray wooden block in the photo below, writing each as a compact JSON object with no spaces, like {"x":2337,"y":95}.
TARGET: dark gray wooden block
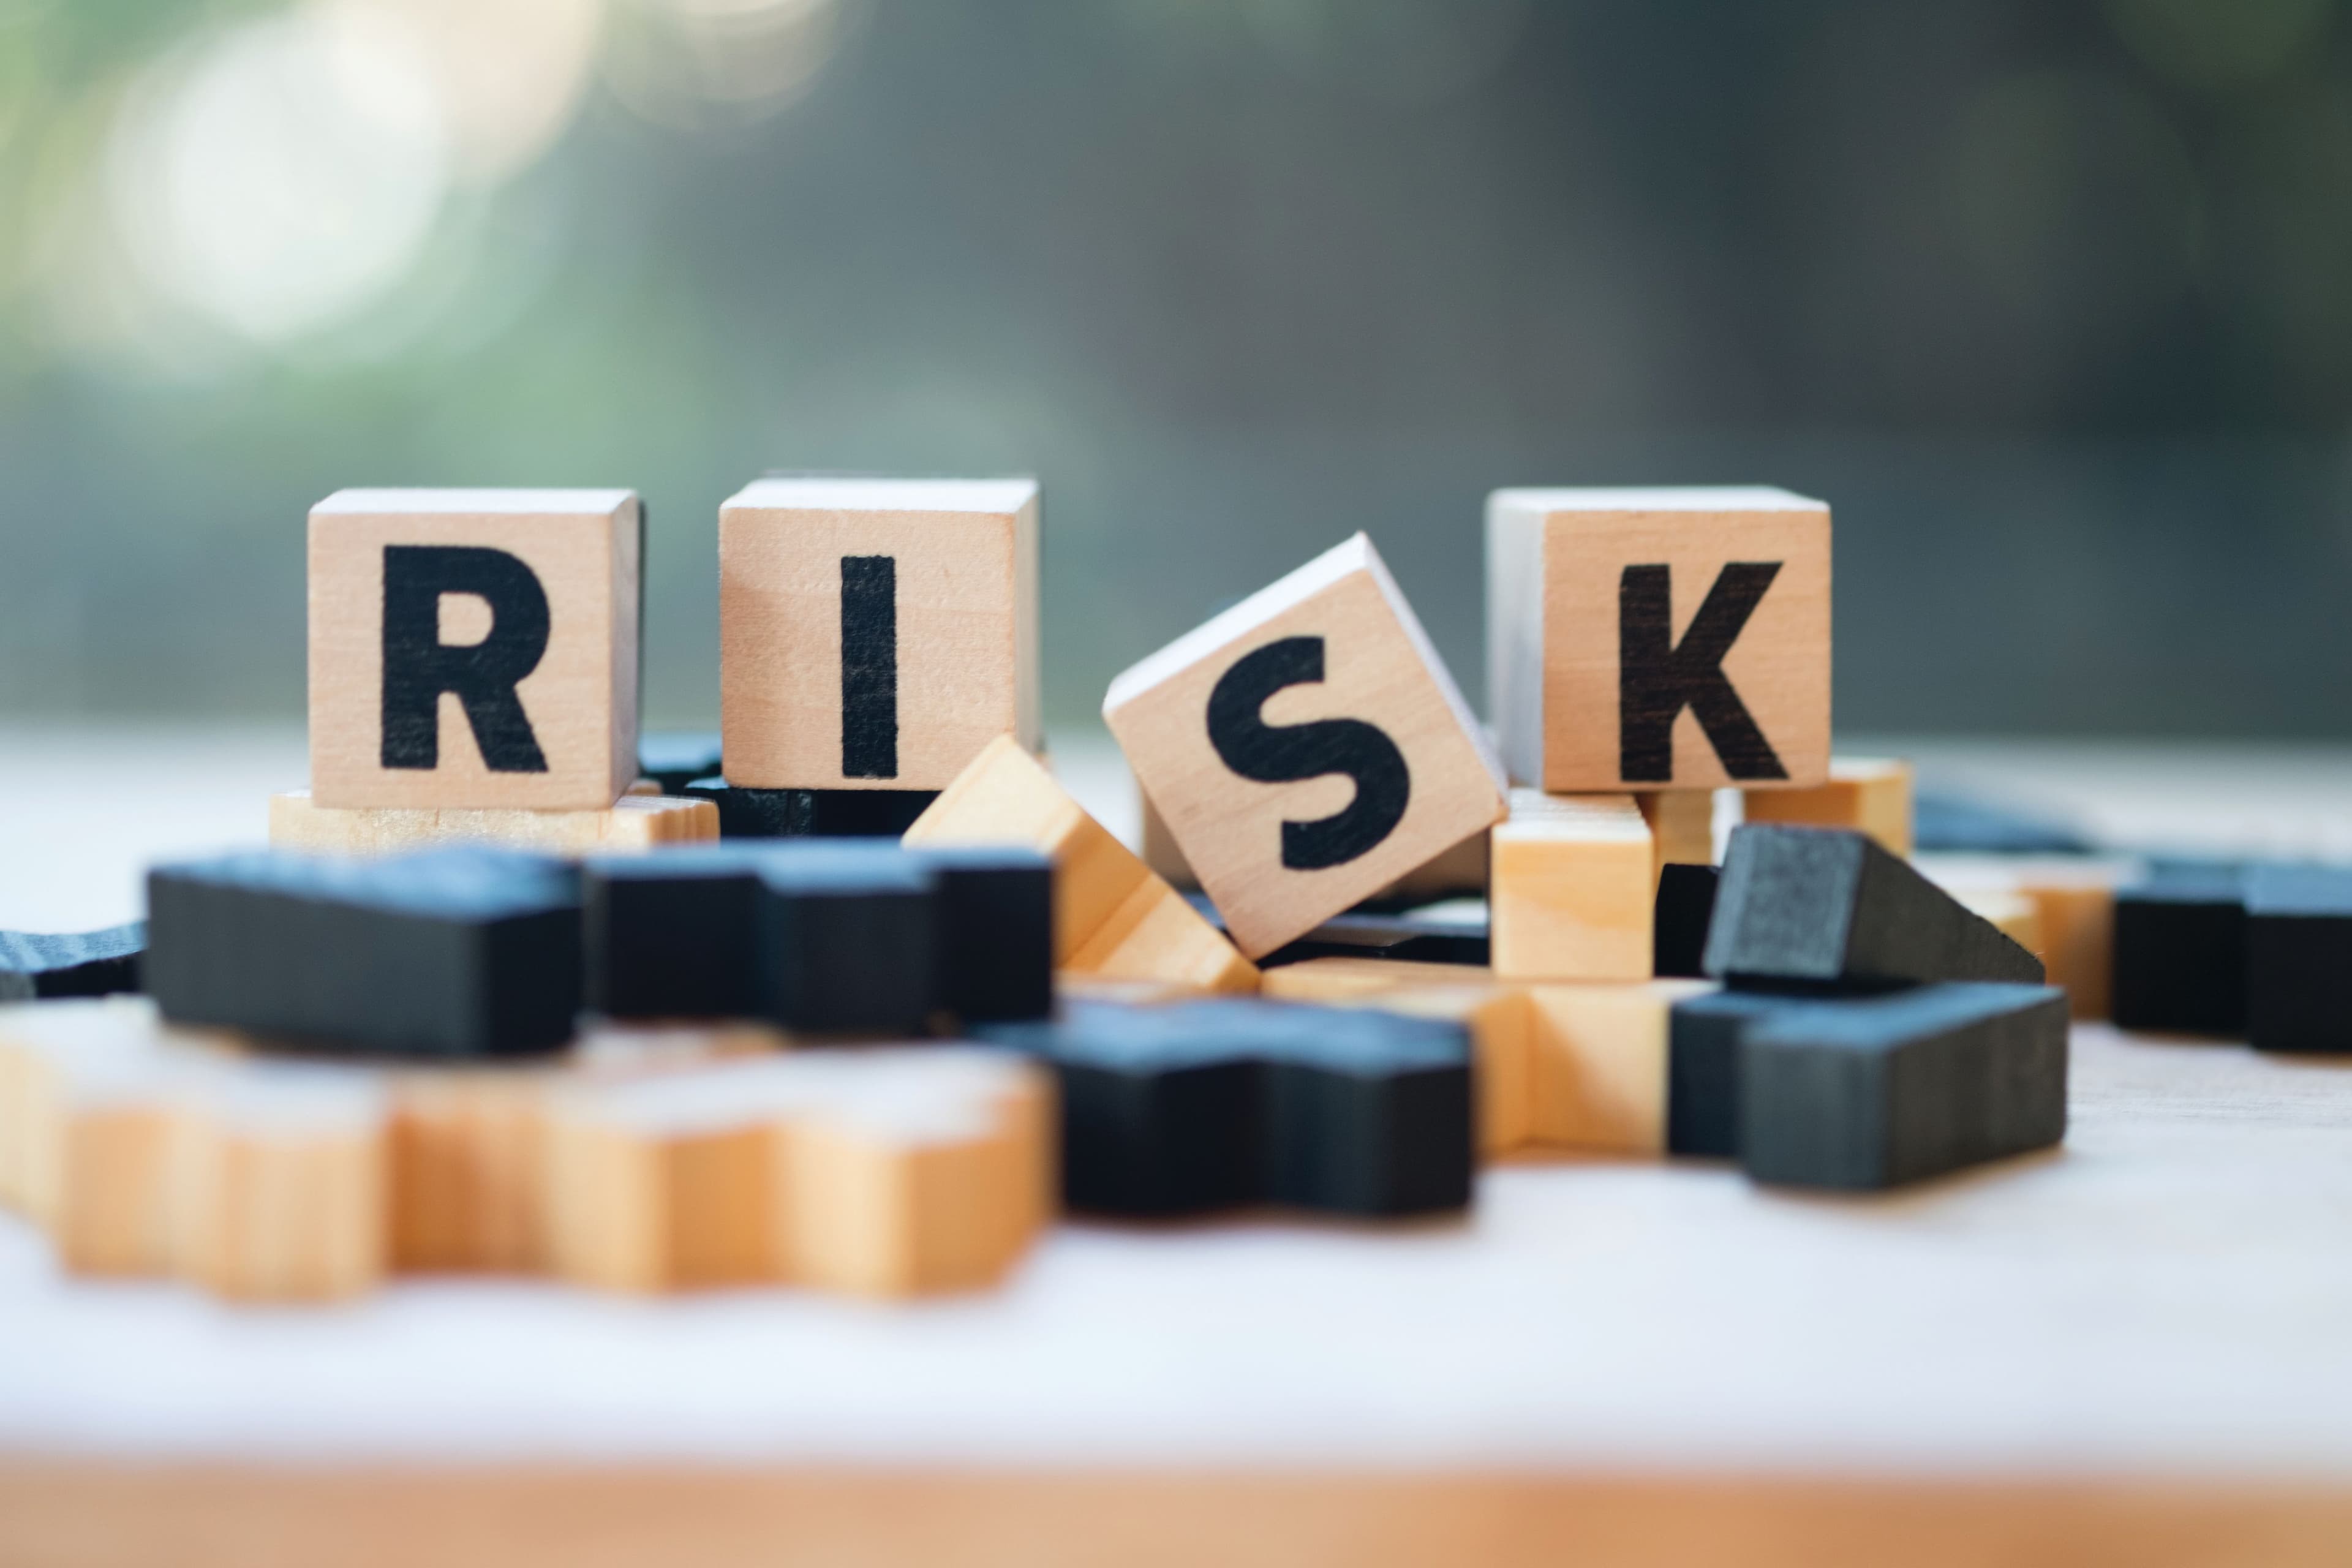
{"x":811,"y":813}
{"x":1221,"y":1103}
{"x":1702,"y":1037}
{"x":1870,"y":1092}
{"x":1678,"y":926}
{"x":1829,"y":909}
{"x":848,"y":938}
{"x":2180,"y":954}
{"x":2299,"y":957}
{"x":995,"y":930}
{"x":451,"y":953}
{"x":81,"y":964}
{"x":672,"y":934}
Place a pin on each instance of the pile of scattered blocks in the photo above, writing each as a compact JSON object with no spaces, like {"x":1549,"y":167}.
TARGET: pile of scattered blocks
{"x":857,"y":995}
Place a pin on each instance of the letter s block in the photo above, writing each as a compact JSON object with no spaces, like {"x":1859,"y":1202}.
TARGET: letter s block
{"x":1648,"y":639}
{"x":474,"y":648}
{"x":875,"y":633}
{"x":1306,"y":747}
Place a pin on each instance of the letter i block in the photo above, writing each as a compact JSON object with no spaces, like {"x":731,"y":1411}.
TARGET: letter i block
{"x":1642,"y":640}
{"x":1306,"y":747}
{"x":875,"y":634}
{"x":474,"y":648}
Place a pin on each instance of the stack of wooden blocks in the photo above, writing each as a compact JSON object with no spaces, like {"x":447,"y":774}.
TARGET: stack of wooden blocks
{"x":814,"y":1054}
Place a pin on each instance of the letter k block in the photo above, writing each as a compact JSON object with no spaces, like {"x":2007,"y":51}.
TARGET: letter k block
{"x":1646,"y":639}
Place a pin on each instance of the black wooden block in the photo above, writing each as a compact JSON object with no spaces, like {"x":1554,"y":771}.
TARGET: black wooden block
{"x":1961,"y":824}
{"x":996,"y":954}
{"x":1678,"y":927}
{"x":848,"y":938}
{"x":82,"y":963}
{"x":1214,"y":1104}
{"x":1410,"y":937}
{"x":1829,"y":909}
{"x":811,"y":813}
{"x":1871,"y":1092}
{"x":2299,"y":957}
{"x":672,"y":934}
{"x":675,"y":759}
{"x":2180,"y":952}
{"x":1703,"y":1036}
{"x":452,"y":952}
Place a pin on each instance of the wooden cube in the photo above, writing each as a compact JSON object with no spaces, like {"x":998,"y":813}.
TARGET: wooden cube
{"x":875,"y":633}
{"x":1598,"y":1068}
{"x":474,"y":647}
{"x":1574,"y":888}
{"x":1682,"y":821}
{"x":1113,"y":917}
{"x":1306,"y":747}
{"x":1869,"y":794}
{"x":1640,"y":639}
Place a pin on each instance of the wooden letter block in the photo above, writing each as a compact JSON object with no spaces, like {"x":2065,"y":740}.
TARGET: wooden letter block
{"x":279,"y":1183}
{"x":1828,"y":909}
{"x":1874,"y":1092}
{"x":1306,"y":747}
{"x":875,"y":633}
{"x":1868,"y":795}
{"x":1113,"y":917}
{"x":633,"y":823}
{"x":1574,"y":888}
{"x":880,"y":1172}
{"x":474,"y":647}
{"x":1640,"y":639}
{"x":1599,"y":1074}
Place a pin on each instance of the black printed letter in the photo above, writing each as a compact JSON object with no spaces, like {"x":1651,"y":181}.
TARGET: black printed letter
{"x":1657,"y":679}
{"x":869,"y":667}
{"x":1282,"y":754}
{"x":418,"y":666}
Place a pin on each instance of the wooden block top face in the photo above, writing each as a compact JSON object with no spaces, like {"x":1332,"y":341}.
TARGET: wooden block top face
{"x":875,"y":634}
{"x":1646,"y":639}
{"x":474,"y":647}
{"x":1306,"y":747}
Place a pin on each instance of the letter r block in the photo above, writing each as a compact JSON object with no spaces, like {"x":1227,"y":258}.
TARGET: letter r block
{"x":875,"y":633}
{"x":1306,"y":747}
{"x":1648,"y":640}
{"x":474,"y":648}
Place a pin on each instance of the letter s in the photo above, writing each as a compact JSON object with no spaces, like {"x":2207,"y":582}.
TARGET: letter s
{"x":1285,"y":753}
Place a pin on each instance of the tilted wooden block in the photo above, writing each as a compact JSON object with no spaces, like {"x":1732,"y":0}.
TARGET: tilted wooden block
{"x":1599,"y":1065}
{"x":474,"y":647}
{"x":1639,"y":638}
{"x":1574,"y":890}
{"x":1208,"y":1105}
{"x":463,"y":951}
{"x":278,"y":1182}
{"x":1829,"y":908}
{"x":875,"y":633}
{"x":1875,"y":1091}
{"x":79,"y":964}
{"x":1306,"y":747}
{"x":1869,"y":794}
{"x":884,"y":1173}
{"x":1682,"y":824}
{"x":633,"y":823}
{"x":1113,"y":917}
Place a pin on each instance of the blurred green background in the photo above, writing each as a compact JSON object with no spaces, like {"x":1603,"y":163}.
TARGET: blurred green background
{"x":2052,"y":301}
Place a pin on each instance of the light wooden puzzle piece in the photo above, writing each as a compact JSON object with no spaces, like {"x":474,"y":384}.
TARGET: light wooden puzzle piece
{"x":1600,"y":1065}
{"x":474,"y":647}
{"x":633,"y":822}
{"x":1870,"y":795}
{"x":1644,"y":637}
{"x":1306,"y":747}
{"x":1574,"y":888}
{"x":874,"y":1171}
{"x":875,"y":633}
{"x":1113,"y":916}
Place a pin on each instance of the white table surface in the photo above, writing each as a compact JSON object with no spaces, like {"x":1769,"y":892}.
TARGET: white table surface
{"x":2172,"y":1292}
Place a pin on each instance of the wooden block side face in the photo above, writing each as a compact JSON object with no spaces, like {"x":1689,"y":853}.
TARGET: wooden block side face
{"x":873,"y":649}
{"x":719,"y":1213}
{"x":1623,"y":594}
{"x":1574,"y":890}
{"x":1308,"y":763}
{"x":511,"y":645}
{"x":283,"y":1219}
{"x":1869,"y":797}
{"x":607,"y":1204}
{"x":2078,"y":943}
{"x":1682,"y":821}
{"x":1599,"y":1073}
{"x":634,"y":822}
{"x":467,"y":1174}
{"x":112,"y":1215}
{"x":1155,"y":935}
